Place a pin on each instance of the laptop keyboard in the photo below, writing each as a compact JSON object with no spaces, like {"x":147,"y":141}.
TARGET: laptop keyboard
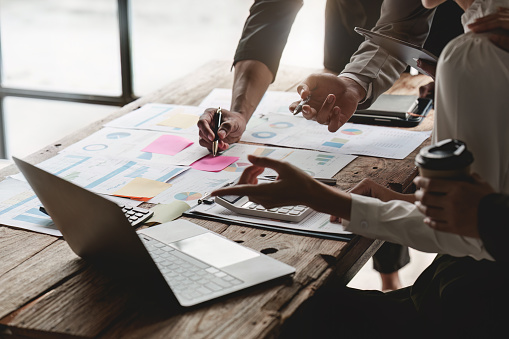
{"x":188,"y":278}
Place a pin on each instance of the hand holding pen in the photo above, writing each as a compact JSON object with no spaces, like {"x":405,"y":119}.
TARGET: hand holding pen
{"x":218,"y":119}
{"x":298,"y":109}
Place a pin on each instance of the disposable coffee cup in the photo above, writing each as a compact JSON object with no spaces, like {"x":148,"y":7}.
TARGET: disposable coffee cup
{"x":447,"y":159}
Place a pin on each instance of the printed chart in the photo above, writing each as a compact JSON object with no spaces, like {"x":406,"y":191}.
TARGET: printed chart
{"x":356,"y":139}
{"x":161,"y":117}
{"x":317,"y":164}
{"x":118,"y":143}
{"x":106,"y":175}
{"x":192,"y":185}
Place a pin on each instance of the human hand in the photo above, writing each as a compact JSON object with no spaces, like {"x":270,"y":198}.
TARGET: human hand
{"x":430,"y":68}
{"x":333,"y":99}
{"x":427,"y":91}
{"x":293,"y":186}
{"x":496,"y":23}
{"x":450,"y":205}
{"x":232,"y":127}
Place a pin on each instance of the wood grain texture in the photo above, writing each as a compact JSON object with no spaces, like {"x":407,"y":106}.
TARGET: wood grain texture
{"x":18,"y":245}
{"x":56,"y":295}
{"x":36,"y":275}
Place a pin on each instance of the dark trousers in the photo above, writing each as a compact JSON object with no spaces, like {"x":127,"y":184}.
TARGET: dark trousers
{"x":452,"y":298}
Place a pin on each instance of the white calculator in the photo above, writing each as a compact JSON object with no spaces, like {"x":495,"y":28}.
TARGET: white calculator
{"x":242,"y":205}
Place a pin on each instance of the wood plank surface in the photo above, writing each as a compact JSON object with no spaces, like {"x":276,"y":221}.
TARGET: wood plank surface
{"x":46,"y":291}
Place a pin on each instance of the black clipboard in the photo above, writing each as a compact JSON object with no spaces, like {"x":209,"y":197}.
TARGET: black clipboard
{"x":405,"y":51}
{"x":332,"y":236}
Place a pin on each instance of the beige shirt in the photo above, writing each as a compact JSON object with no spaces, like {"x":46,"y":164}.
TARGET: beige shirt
{"x":372,"y":66}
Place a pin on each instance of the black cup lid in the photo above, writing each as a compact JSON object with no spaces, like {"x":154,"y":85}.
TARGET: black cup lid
{"x":448,"y":154}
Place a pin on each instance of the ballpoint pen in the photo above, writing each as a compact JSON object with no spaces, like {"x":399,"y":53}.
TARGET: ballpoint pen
{"x":217,"y":120}
{"x":207,"y":197}
{"x":298,"y":109}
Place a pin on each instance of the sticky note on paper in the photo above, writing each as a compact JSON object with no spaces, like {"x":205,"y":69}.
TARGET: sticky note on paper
{"x":142,"y":189}
{"x":212,"y":163}
{"x":168,"y":144}
{"x":180,"y":120}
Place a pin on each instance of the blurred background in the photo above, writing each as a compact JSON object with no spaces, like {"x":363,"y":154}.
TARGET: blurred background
{"x":73,"y":47}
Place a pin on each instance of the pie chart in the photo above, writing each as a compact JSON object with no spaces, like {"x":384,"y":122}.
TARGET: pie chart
{"x":351,"y":131}
{"x":186,"y":196}
{"x":281,"y":124}
{"x":264,"y":135}
{"x":118,"y":135}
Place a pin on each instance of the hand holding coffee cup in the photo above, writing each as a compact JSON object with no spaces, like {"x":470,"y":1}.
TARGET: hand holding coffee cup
{"x":447,"y":159}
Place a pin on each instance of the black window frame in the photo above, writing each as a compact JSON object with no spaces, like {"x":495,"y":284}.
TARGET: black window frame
{"x":126,"y":70}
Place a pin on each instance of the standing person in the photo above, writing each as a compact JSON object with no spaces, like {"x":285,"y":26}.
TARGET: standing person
{"x":256,"y":63}
{"x":463,"y":293}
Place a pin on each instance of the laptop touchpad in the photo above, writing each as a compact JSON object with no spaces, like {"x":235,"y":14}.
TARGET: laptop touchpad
{"x":214,"y":250}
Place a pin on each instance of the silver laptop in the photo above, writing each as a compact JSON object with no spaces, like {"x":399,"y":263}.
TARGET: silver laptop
{"x":179,"y":261}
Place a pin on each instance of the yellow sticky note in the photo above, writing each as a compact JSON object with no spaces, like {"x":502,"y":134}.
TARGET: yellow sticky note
{"x":180,"y":120}
{"x":142,"y":189}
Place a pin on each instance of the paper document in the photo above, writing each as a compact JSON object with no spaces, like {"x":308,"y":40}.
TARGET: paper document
{"x":294,"y":131}
{"x":129,"y":144}
{"x":193,"y":185}
{"x":314,"y":222}
{"x":19,"y":207}
{"x":272,"y":101}
{"x":316,"y":164}
{"x":105,"y":175}
{"x":174,"y":119}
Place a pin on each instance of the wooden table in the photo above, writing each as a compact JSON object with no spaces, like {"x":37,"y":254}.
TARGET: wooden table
{"x":47,"y":291}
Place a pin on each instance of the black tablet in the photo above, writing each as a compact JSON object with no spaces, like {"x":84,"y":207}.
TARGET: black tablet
{"x":400,"y":49}
{"x":394,"y":110}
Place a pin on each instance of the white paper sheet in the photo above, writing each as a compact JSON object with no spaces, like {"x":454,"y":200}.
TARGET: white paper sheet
{"x":193,"y":185}
{"x":128,"y":144}
{"x":272,"y":101}
{"x":19,"y":207}
{"x":175,"y":119}
{"x":293,"y":131}
{"x":317,"y":164}
{"x":105,"y":175}
{"x":314,"y":222}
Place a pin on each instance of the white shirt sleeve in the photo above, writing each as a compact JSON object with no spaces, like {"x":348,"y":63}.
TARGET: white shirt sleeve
{"x":401,"y":222}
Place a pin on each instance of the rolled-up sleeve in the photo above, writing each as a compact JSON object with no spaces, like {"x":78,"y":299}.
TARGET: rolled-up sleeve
{"x":401,"y":222}
{"x":266,"y":32}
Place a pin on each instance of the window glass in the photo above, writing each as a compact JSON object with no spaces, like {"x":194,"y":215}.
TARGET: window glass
{"x":67,"y":46}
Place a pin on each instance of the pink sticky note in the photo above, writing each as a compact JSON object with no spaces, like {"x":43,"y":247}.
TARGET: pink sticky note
{"x":212,"y":163}
{"x":168,"y":144}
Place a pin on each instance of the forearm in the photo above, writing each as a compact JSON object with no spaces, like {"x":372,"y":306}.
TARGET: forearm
{"x":330,"y":200}
{"x":252,"y":78}
{"x":401,"y":222}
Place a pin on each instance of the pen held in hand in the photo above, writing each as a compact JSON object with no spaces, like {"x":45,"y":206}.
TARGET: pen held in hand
{"x":298,"y":109}
{"x":218,"y":117}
